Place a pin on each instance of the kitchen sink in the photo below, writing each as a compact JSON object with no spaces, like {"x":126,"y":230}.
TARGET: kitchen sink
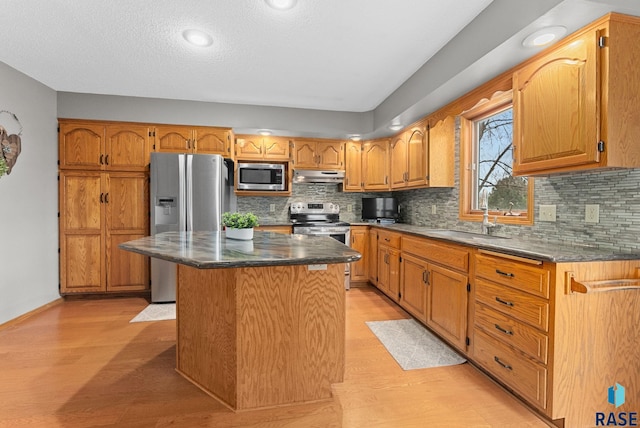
{"x":457,"y":234}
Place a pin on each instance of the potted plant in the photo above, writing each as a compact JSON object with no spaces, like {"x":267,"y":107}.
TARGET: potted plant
{"x":239,"y":226}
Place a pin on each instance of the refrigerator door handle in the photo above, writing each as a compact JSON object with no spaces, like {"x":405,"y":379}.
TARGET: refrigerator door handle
{"x":189,"y":192}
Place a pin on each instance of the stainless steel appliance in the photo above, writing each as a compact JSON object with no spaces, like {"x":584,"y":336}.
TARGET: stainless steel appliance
{"x":188,"y":193}
{"x":261,"y":176}
{"x":321,"y":219}
{"x":314,"y":176}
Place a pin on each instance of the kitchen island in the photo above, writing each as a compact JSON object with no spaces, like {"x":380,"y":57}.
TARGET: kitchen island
{"x":260,"y":323}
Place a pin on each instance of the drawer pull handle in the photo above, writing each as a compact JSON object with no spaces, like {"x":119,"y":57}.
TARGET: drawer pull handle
{"x":504,"y":302}
{"x":506,"y":366}
{"x":507,"y":274}
{"x":510,"y":333}
{"x":387,"y":239}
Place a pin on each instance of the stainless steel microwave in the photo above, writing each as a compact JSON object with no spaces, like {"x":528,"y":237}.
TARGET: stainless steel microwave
{"x":261,"y":176}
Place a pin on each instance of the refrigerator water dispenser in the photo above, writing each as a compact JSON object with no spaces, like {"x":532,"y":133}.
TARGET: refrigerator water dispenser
{"x":166,"y":210}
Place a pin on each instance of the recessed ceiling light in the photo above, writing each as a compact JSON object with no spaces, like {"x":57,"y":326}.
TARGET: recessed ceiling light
{"x":355,"y":137}
{"x":544,"y":36}
{"x":197,"y":38}
{"x":395,"y":127}
{"x":281,"y":4}
{"x":264,"y":132}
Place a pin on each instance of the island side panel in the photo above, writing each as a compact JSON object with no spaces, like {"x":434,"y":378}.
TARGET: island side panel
{"x":596,"y":343}
{"x":206,"y":330}
{"x":291,"y":334}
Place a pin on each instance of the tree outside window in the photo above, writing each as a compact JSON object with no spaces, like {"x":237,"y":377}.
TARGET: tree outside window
{"x":487,"y":165}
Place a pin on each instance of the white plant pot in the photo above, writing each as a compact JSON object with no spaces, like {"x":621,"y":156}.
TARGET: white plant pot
{"x":239,"y":234}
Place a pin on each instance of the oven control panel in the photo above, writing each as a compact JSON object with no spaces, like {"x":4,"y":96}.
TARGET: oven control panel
{"x":314,"y":208}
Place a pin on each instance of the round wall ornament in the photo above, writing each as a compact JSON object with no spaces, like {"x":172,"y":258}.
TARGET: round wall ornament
{"x":10,"y":145}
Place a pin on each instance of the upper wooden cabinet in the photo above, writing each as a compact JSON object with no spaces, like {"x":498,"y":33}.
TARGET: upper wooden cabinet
{"x":100,"y":146}
{"x":440,"y":154}
{"x":375,"y":164}
{"x":409,"y":157}
{"x":573,"y":104}
{"x":318,"y":154}
{"x":189,"y":139}
{"x":257,"y":147}
{"x":353,"y":167}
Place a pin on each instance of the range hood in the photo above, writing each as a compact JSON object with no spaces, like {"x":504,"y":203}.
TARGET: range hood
{"x":314,"y":176}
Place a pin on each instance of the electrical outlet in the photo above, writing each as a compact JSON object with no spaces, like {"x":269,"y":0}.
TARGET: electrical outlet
{"x":547,"y":213}
{"x":349,"y":208}
{"x":434,"y":209}
{"x":592,"y":213}
{"x":272,"y":208}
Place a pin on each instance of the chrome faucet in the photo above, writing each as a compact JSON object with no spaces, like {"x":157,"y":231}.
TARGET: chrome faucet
{"x":487,"y":226}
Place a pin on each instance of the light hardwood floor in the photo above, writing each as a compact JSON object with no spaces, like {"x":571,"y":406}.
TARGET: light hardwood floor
{"x":82,"y":364}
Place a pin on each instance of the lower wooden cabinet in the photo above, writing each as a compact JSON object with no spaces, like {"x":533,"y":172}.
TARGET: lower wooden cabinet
{"x":372,"y":257}
{"x":432,"y":290}
{"x":275,"y":228}
{"x":360,"y":242}
{"x":98,"y":211}
{"x":388,"y":277}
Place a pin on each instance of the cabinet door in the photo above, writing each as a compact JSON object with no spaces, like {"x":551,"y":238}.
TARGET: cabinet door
{"x":556,"y":113}
{"x":416,"y":141}
{"x":213,"y":141}
{"x":373,"y":256}
{"x":127,"y":147}
{"x":440,"y":152}
{"x":127,"y":218}
{"x":398,"y":153}
{"x":413,"y":289}
{"x":304,"y":154}
{"x":359,"y":241}
{"x":81,"y":232}
{"x":81,"y":146}
{"x":447,"y":311}
{"x":375,"y":165}
{"x":394,"y":273}
{"x":353,"y":167}
{"x":383,"y":269}
{"x":330,"y":155}
{"x":249,"y":147}
{"x":276,"y":148}
{"x":174,"y":139}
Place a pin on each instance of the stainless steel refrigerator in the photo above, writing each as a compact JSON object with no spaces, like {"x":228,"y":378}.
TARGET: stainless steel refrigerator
{"x":188,"y":193}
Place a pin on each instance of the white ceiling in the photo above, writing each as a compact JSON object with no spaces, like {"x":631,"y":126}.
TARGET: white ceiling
{"x":344,"y":55}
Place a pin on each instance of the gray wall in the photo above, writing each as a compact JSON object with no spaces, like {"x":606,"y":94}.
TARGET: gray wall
{"x":29,"y":198}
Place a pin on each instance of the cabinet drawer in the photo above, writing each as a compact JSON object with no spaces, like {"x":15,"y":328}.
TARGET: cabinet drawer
{"x":521,"y":306}
{"x":524,"y":376}
{"x":529,"y":278}
{"x":448,"y":255}
{"x":390,"y":239}
{"x":504,"y":328}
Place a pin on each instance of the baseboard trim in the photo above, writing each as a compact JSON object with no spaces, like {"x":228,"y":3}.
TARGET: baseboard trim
{"x":29,"y":314}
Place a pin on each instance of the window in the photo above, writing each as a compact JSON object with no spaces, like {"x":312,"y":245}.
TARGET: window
{"x":486,"y":142}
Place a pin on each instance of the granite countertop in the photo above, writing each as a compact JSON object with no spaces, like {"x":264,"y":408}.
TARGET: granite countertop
{"x":209,"y":250}
{"x":557,"y":252}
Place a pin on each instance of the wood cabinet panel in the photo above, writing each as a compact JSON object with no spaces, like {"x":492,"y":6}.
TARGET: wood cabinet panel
{"x":80,"y":145}
{"x":555,"y":114}
{"x":417,"y":154}
{"x":530,"y":278}
{"x":388,"y":278}
{"x":375,"y":165}
{"x":391,"y":239}
{"x":258,"y":147}
{"x":80,"y":202}
{"x":126,"y":271}
{"x":398,"y":153}
{"x":82,"y":263}
{"x":249,"y":147}
{"x":277,"y":148}
{"x":527,"y":378}
{"x":373,"y":256}
{"x":440,"y":153}
{"x":448,"y":255}
{"x":313,"y":154}
{"x":127,"y":204}
{"x":524,"y":307}
{"x":214,"y":141}
{"x":128,"y":147}
{"x":275,"y":228}
{"x":448,"y":300}
{"x":173,"y":139}
{"x":518,"y":335}
{"x":353,"y":167}
{"x":414,"y":289}
{"x":360,"y":242}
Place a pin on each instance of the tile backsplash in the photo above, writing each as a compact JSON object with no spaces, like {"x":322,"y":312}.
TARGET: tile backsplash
{"x":617,"y":193}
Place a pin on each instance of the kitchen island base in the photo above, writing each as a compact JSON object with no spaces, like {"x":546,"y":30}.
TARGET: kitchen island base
{"x":256,"y":337}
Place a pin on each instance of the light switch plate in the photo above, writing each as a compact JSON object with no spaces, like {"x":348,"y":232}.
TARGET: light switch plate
{"x":592,"y":213}
{"x":547,"y":213}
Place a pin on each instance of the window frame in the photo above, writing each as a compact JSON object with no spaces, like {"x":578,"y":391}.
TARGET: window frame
{"x":499,"y":102}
